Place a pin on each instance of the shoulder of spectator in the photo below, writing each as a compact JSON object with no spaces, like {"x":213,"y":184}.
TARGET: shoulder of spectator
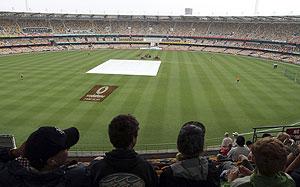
{"x":294,"y":164}
{"x":231,"y":151}
{"x":241,"y":182}
{"x":166,"y":171}
{"x":78,"y":175}
{"x":291,"y":180}
{"x":6,"y":155}
{"x":95,"y":163}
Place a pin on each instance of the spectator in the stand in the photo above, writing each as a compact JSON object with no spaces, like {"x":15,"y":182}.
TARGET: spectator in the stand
{"x":270,"y":156}
{"x":234,"y":153}
{"x":46,"y":149}
{"x":226,"y":140}
{"x":282,"y":136}
{"x":265,"y":135}
{"x":196,"y":123}
{"x":226,"y":144}
{"x":234,"y":135}
{"x":123,"y":166}
{"x":294,"y":167}
{"x":224,"y":151}
{"x":249,"y":144}
{"x":192,"y":169}
{"x":293,"y":161}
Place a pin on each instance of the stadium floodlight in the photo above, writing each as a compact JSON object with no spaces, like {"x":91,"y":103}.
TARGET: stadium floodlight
{"x":26,"y":5}
{"x":256,"y":7}
{"x":188,"y":11}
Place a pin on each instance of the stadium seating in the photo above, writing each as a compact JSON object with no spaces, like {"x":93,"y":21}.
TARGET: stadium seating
{"x":264,"y":38}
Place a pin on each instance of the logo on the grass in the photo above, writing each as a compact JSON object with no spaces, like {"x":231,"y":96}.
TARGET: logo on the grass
{"x":98,"y":93}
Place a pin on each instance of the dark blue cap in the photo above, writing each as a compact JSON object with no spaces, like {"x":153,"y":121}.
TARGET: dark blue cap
{"x":48,"y":141}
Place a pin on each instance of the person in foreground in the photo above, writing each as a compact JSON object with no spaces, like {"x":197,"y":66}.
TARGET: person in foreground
{"x":192,"y":169}
{"x":123,"y":166}
{"x":270,"y":156}
{"x":46,"y":150}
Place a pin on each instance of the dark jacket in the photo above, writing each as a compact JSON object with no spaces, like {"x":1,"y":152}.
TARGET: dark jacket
{"x":123,"y":161}
{"x":12,"y":174}
{"x":295,"y":174}
{"x":191,"y":172}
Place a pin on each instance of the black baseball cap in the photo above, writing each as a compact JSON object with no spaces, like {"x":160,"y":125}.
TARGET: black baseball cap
{"x":47,"y":141}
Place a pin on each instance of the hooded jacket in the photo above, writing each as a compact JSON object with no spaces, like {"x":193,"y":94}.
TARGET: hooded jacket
{"x":123,"y":161}
{"x":191,"y":172}
{"x":13,"y":174}
{"x":280,"y":179}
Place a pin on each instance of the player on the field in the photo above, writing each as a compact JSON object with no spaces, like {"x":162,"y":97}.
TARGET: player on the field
{"x":21,"y":76}
{"x":237,"y":79}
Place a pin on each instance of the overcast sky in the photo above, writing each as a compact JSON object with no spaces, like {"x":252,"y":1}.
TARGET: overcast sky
{"x":157,"y":7}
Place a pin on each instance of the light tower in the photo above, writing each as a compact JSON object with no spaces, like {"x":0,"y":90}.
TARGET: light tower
{"x":256,"y":7}
{"x":26,"y":5}
{"x":188,"y":11}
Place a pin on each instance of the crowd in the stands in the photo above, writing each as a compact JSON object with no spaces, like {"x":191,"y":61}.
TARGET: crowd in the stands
{"x":42,"y":160}
{"x":270,"y":161}
{"x":277,"y":40}
{"x":288,"y":32}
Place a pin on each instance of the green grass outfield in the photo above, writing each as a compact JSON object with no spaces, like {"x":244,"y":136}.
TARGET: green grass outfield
{"x":189,"y":86}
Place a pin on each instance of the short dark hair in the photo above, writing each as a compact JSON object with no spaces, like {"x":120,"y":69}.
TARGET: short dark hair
{"x":190,"y":141}
{"x":240,"y":140}
{"x":266,"y":135}
{"x":122,"y":129}
{"x":249,"y":142}
{"x":196,"y":123}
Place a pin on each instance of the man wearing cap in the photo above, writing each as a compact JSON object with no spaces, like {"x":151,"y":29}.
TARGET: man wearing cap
{"x":226,"y":144}
{"x":46,"y":150}
{"x":226,"y":140}
{"x":193,"y":169}
{"x":235,"y":135}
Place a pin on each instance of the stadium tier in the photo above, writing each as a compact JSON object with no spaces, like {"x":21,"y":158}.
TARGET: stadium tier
{"x":272,"y":37}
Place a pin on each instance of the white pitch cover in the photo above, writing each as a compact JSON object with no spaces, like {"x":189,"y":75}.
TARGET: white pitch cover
{"x":127,"y":67}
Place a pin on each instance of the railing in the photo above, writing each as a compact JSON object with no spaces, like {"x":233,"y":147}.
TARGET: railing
{"x":258,"y":131}
{"x":98,"y":150}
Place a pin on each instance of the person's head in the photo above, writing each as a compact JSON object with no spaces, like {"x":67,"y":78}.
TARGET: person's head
{"x":282,"y":136}
{"x":47,"y":147}
{"x":190,"y":141}
{"x":240,"y":141}
{"x":196,"y":123}
{"x":226,"y":134}
{"x":123,"y":131}
{"x":265,"y":135}
{"x":270,"y":156}
{"x":249,"y":144}
{"x":235,"y":135}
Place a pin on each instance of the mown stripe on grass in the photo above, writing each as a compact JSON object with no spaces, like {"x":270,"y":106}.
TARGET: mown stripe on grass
{"x":257,"y":87}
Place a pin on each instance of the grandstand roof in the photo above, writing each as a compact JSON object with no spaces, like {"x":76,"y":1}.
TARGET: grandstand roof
{"x":27,"y":15}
